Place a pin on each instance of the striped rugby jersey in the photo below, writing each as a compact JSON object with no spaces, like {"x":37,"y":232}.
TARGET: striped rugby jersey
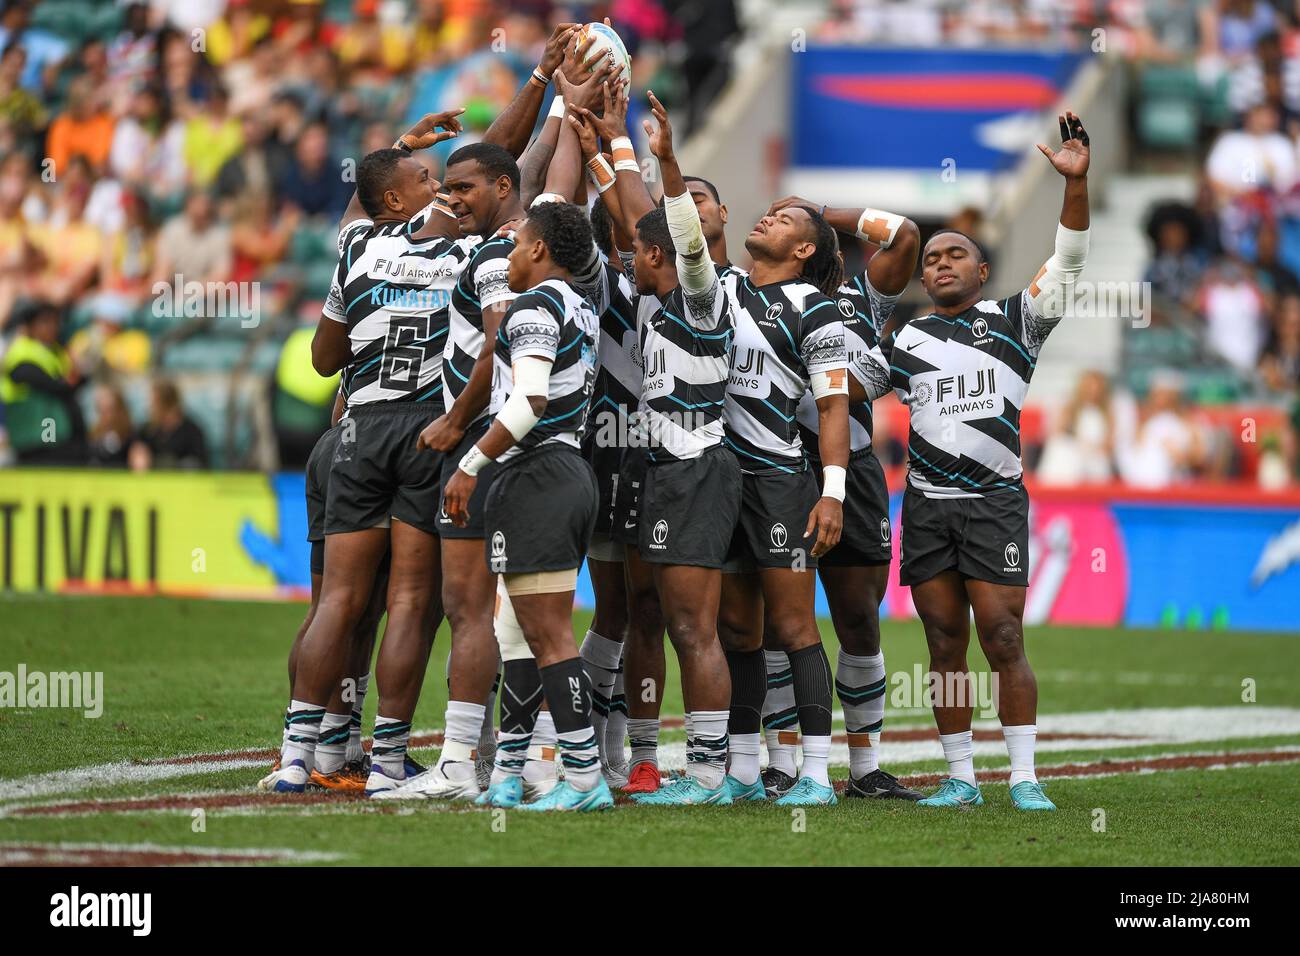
{"x":392,"y":291}
{"x":551,"y":321}
{"x":866,"y":312}
{"x":483,"y":283}
{"x":785,"y":333}
{"x":964,"y":380}
{"x":686,"y":352}
{"x":617,"y":391}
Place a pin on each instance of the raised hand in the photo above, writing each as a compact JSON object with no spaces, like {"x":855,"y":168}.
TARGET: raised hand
{"x":581,"y":121}
{"x":1071,"y":160}
{"x":788,"y":201}
{"x":589,"y":93}
{"x":661,"y":139}
{"x":553,"y":55}
{"x":433,"y":128}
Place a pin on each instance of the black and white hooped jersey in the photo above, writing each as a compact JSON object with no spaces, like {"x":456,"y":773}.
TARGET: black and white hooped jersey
{"x":866,"y":311}
{"x":964,"y":380}
{"x":686,"y":352}
{"x":617,"y":391}
{"x":483,"y":283}
{"x":392,"y":291}
{"x":556,"y":322}
{"x":785,"y":333}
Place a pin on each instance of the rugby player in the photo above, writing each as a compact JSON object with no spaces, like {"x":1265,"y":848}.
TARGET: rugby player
{"x":964,"y":371}
{"x":789,"y":341}
{"x":541,"y":508}
{"x":690,"y":496}
{"x":855,"y":572}
{"x":383,"y":324}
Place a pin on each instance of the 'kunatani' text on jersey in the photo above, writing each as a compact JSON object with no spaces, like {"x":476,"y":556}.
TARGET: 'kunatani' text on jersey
{"x":685,"y":352}
{"x":964,"y":380}
{"x":866,"y":311}
{"x":483,"y":283}
{"x":785,"y":333}
{"x":392,"y":291}
{"x":617,"y":391}
{"x":550,"y":321}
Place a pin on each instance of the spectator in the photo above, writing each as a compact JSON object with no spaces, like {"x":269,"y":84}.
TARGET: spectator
{"x":112,"y":434}
{"x":170,"y":440}
{"x":1178,"y":264}
{"x":259,"y":239}
{"x":148,"y":147}
{"x":1253,"y":158}
{"x":38,"y":385}
{"x":212,"y":137}
{"x":20,"y":112}
{"x":1166,"y":445}
{"x":194,"y":245}
{"x":1233,"y":308}
{"x":85,"y":128}
{"x":312,"y":183}
{"x":1081,"y":447}
{"x":1280,"y":366}
{"x":44,"y":51}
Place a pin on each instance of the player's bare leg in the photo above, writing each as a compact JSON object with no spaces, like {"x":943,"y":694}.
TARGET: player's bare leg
{"x":854,"y":595}
{"x":644,"y":667}
{"x":469,"y":595}
{"x":413,"y":615}
{"x":942,"y":605}
{"x":351,"y":562}
{"x":602,"y":655}
{"x":999,"y":611}
{"x":690,"y":597}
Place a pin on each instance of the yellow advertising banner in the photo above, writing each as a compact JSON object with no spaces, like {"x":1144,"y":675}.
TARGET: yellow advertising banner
{"x":200,"y":533}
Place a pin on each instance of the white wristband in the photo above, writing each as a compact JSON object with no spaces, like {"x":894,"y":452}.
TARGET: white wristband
{"x":833,"y":482}
{"x":474,"y":461}
{"x":624,"y":156}
{"x":557,"y":107}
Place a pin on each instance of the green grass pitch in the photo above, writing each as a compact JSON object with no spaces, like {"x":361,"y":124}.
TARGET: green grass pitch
{"x":197,"y":677}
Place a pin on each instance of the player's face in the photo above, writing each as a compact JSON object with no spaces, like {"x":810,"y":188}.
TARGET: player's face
{"x":414,"y":185}
{"x":713,"y":216}
{"x":951,"y":270}
{"x":643,"y":270}
{"x":782,"y":236}
{"x":523,"y":259}
{"x":475,"y":199}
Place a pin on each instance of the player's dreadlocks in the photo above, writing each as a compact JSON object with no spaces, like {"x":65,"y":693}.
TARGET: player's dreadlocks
{"x":566,"y":231}
{"x":824,"y":268}
{"x":652,"y":229}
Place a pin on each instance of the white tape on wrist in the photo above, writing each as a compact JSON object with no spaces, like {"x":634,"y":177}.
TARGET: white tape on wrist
{"x":600,"y":172}
{"x":879,"y":227}
{"x":833,"y":482}
{"x":474,"y":461}
{"x":557,"y":108}
{"x":624,"y":155}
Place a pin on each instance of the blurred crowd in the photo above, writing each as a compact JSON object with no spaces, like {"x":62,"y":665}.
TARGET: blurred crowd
{"x":145,"y":145}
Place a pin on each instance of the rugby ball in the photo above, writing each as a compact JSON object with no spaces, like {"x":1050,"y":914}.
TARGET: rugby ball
{"x":607,"y":43}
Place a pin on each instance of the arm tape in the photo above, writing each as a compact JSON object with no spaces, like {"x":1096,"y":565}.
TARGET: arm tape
{"x":532,"y":377}
{"x":833,"y":482}
{"x":694,"y":269}
{"x":879,"y":227}
{"x":832,"y":382}
{"x":1048,"y":290}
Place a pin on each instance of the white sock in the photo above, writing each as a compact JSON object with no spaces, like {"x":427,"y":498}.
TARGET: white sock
{"x":332,"y":744}
{"x":643,"y":737}
{"x":388,"y":750}
{"x":577,"y":750}
{"x":780,"y":716}
{"x":355,"y":751}
{"x":816,"y":754}
{"x":860,"y":685}
{"x":959,"y":751}
{"x":709,"y":766}
{"x":1020,"y":748}
{"x":744,"y":757}
{"x":687,"y":725}
{"x":304,"y":720}
{"x":460,"y":736}
{"x":541,"y":753}
{"x":487,"y":737}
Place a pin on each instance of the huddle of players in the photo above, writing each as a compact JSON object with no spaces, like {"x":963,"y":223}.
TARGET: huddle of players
{"x":700,"y":435}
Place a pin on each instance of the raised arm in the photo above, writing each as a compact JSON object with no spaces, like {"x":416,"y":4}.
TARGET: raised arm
{"x":515,"y":123}
{"x":898,"y":239}
{"x":1048,"y":295}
